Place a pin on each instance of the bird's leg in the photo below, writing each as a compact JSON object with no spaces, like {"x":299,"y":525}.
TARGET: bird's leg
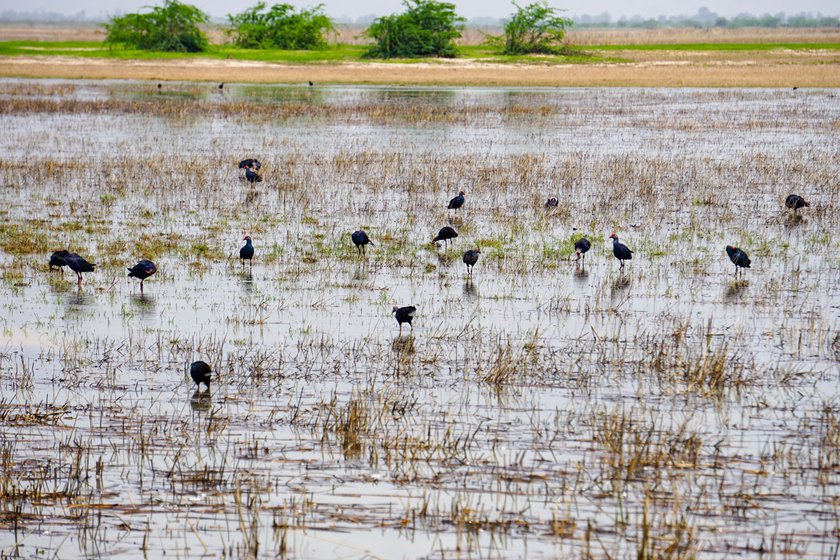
{"x":141,"y":286}
{"x":400,"y":330}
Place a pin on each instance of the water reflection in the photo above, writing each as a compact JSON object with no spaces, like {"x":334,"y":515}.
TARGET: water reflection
{"x":581,"y":274}
{"x":621,"y":283}
{"x":735,"y":289}
{"x":78,"y":298}
{"x":794,"y":221}
{"x":251,"y":197}
{"x":361,"y":274}
{"x":470,"y":289}
{"x":143,"y":303}
{"x":201,"y":401}
{"x":403,"y":344}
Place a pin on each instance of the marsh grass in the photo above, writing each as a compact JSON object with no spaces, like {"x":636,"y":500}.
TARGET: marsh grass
{"x":541,"y":406}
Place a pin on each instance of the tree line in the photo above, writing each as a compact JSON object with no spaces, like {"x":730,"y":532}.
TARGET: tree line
{"x":426,"y":28}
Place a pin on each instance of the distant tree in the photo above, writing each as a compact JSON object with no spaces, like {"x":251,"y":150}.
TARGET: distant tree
{"x":535,"y":28}
{"x":281,"y":27}
{"x":171,"y":27}
{"x":426,"y":28}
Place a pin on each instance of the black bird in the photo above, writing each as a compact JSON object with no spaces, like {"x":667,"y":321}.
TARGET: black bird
{"x":738,"y":258}
{"x":795,"y":202}
{"x":200,"y":373}
{"x":246,"y":252}
{"x":250,"y":162}
{"x":552,"y":202}
{"x":582,"y":245}
{"x":457,"y":202}
{"x":310,"y":83}
{"x":360,"y":239}
{"x":620,"y":250}
{"x":404,"y":315}
{"x":142,"y":270}
{"x":221,"y":86}
{"x":57,"y":260}
{"x":252,"y":176}
{"x":78,"y":265}
{"x":445,"y":234}
{"x":160,"y":86}
{"x":470,"y":258}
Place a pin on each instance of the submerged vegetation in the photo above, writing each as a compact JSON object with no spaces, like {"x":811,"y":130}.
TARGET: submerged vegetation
{"x":542,"y":406}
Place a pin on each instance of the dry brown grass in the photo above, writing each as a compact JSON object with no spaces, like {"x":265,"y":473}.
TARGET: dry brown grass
{"x":660,"y":69}
{"x":686,"y":35}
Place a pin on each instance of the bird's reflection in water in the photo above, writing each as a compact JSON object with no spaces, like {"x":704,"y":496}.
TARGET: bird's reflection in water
{"x":252,"y":197}
{"x":403,"y":344}
{"x":201,"y":401}
{"x":794,"y":221}
{"x":247,"y":281}
{"x":735,"y":289}
{"x":360,"y":274}
{"x":78,"y":298}
{"x":580,"y":273}
{"x":470,"y":289}
{"x":456,"y":221}
{"x":621,"y":283}
{"x":445,"y":258}
{"x":143,"y":303}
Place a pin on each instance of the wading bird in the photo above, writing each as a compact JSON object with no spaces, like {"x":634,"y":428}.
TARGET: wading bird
{"x":470,"y":258}
{"x":252,"y":176}
{"x":582,"y":245}
{"x":795,"y":202}
{"x":457,"y":202}
{"x":404,"y":315}
{"x":250,"y":162}
{"x":78,"y":265}
{"x":738,"y":258}
{"x":360,"y":239}
{"x":620,"y":250}
{"x":142,"y":270}
{"x":445,"y":234}
{"x":57,"y":260}
{"x":200,"y":373}
{"x":552,"y":202}
{"x":246,"y":252}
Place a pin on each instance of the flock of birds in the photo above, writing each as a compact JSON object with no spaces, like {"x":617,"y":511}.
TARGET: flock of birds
{"x":200,"y":371}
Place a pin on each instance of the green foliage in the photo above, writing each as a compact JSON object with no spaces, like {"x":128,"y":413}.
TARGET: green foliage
{"x":172,"y":27}
{"x":281,"y":28}
{"x":535,"y":29}
{"x":426,"y":28}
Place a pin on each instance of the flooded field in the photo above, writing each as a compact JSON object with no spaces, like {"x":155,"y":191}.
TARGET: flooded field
{"x":542,"y":408}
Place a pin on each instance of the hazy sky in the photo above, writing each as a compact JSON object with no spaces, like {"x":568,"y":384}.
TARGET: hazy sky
{"x":466,"y":8}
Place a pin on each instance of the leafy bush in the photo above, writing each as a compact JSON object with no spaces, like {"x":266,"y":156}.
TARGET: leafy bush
{"x":281,"y":28}
{"x":172,"y":27}
{"x":535,"y":28}
{"x":426,"y":28}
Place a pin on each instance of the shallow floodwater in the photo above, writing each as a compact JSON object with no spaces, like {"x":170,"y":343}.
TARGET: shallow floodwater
{"x":541,"y":408}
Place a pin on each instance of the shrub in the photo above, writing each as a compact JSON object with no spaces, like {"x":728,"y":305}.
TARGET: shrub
{"x":171,"y":27}
{"x":281,"y":28}
{"x":426,"y":28}
{"x":535,"y":28}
